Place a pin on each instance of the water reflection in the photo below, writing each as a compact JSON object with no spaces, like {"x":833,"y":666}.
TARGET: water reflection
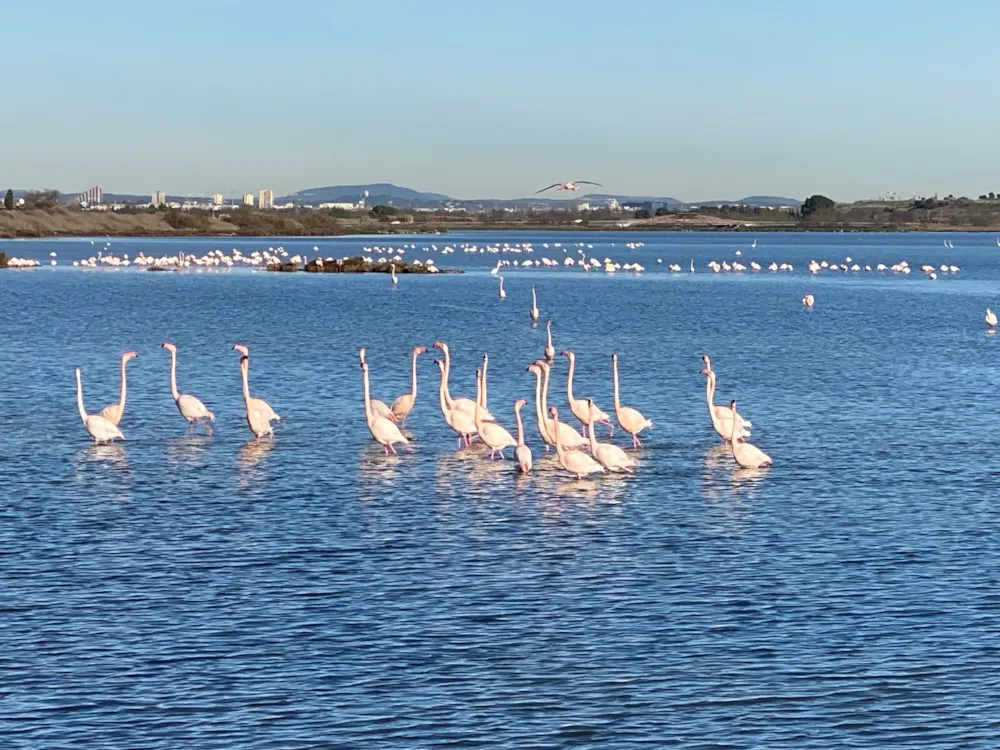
{"x":107,"y":469}
{"x":249,"y":463}
{"x":189,"y":450}
{"x":112,"y":454}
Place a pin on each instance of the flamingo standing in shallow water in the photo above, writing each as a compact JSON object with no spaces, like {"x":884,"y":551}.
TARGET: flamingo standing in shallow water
{"x":991,"y":318}
{"x":533,"y":312}
{"x":808,"y":301}
{"x":550,"y":350}
{"x":113,"y":412}
{"x":577,"y":463}
{"x":383,"y":430}
{"x":579,"y":405}
{"x":502,"y":294}
{"x":403,"y":405}
{"x":746,"y":455}
{"x":495,"y":437}
{"x":461,"y":422}
{"x":570,"y":438}
{"x":392,"y":270}
{"x":260,"y":404}
{"x":609,"y":455}
{"x":630,"y":420}
{"x":522,"y":452}
{"x":191,"y":408}
{"x":100,"y":428}
{"x":466,"y":405}
{"x":257,"y":419}
{"x":721,"y":415}
{"x":379,"y":409}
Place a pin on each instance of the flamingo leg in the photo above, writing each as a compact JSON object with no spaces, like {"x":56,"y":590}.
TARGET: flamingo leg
{"x":501,"y":455}
{"x":392,"y":448}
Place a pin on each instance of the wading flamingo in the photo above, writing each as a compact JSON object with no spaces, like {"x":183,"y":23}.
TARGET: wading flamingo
{"x":630,"y":420}
{"x":550,"y":350}
{"x":113,"y":412}
{"x":260,"y":404}
{"x":746,"y":455}
{"x":608,"y":455}
{"x":495,"y":437}
{"x":462,"y":423}
{"x":257,"y":420}
{"x":808,"y":301}
{"x":100,"y":428}
{"x":522,"y":453}
{"x":502,"y":294}
{"x":579,"y":405}
{"x":392,"y":270}
{"x":403,"y":405}
{"x":383,"y":430}
{"x":991,"y":318}
{"x":466,"y":405}
{"x":533,"y":312}
{"x":577,"y":463}
{"x":570,"y":438}
{"x":721,"y":415}
{"x":379,"y":409}
{"x":191,"y":408}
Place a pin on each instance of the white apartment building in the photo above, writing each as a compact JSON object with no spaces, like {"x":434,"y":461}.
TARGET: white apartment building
{"x":159,"y":198}
{"x":248,"y":200}
{"x":265,"y":200}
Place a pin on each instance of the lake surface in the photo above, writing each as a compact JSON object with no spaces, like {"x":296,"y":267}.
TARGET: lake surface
{"x":177,"y":591}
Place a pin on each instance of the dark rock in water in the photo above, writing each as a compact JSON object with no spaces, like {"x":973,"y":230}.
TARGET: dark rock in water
{"x":355,"y":265}
{"x":3,"y":260}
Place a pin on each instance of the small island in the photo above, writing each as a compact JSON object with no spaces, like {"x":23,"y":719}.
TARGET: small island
{"x":357,"y":264}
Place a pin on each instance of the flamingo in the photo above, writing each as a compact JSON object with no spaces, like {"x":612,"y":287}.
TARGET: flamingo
{"x":392,"y":270}
{"x":746,"y":455}
{"x":403,"y":405}
{"x":466,"y":405}
{"x":383,"y":430}
{"x":379,"y":409}
{"x":533,"y":312}
{"x":579,"y":405}
{"x":720,"y":414}
{"x":609,"y":455}
{"x":577,"y":463}
{"x":569,"y":437}
{"x":550,"y":350}
{"x":102,"y":429}
{"x":991,"y":318}
{"x":191,"y":408}
{"x":522,"y":452}
{"x":481,"y":398}
{"x":113,"y":412}
{"x":573,"y":185}
{"x":495,"y":437}
{"x":808,"y":301}
{"x":502,"y":294}
{"x":265,"y":409}
{"x":630,"y":420}
{"x":460,"y":421}
{"x":257,"y":420}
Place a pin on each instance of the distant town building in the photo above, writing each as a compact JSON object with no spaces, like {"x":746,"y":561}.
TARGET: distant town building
{"x":159,"y":198}
{"x":265,"y":200}
{"x":217,"y":199}
{"x":91,"y":197}
{"x":584,"y":206}
{"x":248,"y":200}
{"x":613,"y":204}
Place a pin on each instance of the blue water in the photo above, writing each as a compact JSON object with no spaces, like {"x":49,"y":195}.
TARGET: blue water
{"x":178,"y":591}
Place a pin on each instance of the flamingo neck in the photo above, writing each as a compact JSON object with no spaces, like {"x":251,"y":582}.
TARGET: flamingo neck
{"x":618,"y":404}
{"x":732,"y":431}
{"x":555,"y":435}
{"x":173,"y":376}
{"x":590,"y":434}
{"x":710,"y":391}
{"x":520,"y":427}
{"x":121,"y":398}
{"x":486,"y":363}
{"x":368,"y":403}
{"x":539,"y":414}
{"x":413,"y":376}
{"x":245,"y":372}
{"x":443,"y":397}
{"x":477,"y":411}
{"x":79,"y":397}
{"x":569,"y":379}
{"x":545,"y":391}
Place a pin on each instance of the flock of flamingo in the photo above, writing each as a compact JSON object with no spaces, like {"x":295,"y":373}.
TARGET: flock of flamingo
{"x":469,"y":419}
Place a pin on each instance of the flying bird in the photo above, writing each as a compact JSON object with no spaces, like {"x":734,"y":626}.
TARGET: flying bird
{"x":572,"y":185}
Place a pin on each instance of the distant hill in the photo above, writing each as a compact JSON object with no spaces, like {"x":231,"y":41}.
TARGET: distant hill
{"x":761,"y":201}
{"x":378,"y":192}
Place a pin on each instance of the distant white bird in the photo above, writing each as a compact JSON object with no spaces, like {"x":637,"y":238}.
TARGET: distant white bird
{"x":991,"y":318}
{"x":571,"y":185}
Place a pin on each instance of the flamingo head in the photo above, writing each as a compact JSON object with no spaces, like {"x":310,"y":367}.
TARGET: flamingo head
{"x":614,"y":357}
{"x":361,"y":355}
{"x":554,"y":412}
{"x":732,"y":404}
{"x":567,"y":353}
{"x":169,"y":347}
{"x":441,"y":345}
{"x":533,"y":368}
{"x":548,"y":323}
{"x":519,"y":403}
{"x":129,"y":355}
{"x":420,"y":350}
{"x":241,"y":349}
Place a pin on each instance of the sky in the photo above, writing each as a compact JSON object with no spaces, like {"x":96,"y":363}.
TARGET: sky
{"x":714,"y":99}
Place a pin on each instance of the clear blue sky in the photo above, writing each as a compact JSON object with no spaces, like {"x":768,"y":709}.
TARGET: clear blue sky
{"x":694,"y":99}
